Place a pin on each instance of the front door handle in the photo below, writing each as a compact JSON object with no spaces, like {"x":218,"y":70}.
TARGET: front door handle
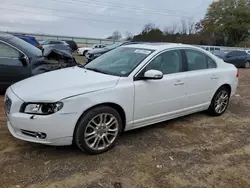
{"x":214,"y":77}
{"x":179,"y":83}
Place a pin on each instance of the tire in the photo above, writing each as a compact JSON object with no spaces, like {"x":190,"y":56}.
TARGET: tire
{"x":247,"y":65}
{"x":88,"y":124}
{"x":213,"y":108}
{"x":84,"y":52}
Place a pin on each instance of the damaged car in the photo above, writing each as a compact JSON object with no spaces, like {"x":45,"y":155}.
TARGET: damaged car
{"x":20,"y":60}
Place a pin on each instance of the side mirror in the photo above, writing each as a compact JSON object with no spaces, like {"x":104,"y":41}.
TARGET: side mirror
{"x":24,"y":59}
{"x":153,"y":74}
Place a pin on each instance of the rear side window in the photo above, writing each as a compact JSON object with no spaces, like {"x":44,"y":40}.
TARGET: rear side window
{"x":197,"y":60}
{"x":211,"y":63}
{"x":241,"y":53}
{"x":7,"y":51}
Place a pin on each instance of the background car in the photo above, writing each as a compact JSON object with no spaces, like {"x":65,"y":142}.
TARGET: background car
{"x":59,"y":47}
{"x":19,"y":60}
{"x":72,"y":44}
{"x":30,"y":39}
{"x":220,"y":53}
{"x":238,"y":58}
{"x":53,"y":42}
{"x":84,"y":50}
{"x":92,"y":54}
{"x":127,"y":88}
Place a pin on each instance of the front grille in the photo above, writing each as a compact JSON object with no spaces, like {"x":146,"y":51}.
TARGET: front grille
{"x":7,"y":104}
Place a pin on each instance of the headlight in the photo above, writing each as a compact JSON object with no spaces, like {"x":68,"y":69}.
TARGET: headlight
{"x":42,"y":108}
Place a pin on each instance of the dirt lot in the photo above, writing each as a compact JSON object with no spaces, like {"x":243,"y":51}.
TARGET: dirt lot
{"x":193,"y":151}
{"x":79,"y":58}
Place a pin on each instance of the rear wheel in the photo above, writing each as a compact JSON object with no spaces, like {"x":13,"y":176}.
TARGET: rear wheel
{"x":219,"y":102}
{"x":97,"y":131}
{"x":247,"y":65}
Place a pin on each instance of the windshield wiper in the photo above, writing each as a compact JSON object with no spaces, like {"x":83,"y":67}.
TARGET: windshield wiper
{"x":95,"y":70}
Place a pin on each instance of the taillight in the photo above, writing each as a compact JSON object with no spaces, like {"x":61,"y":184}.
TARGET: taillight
{"x":238,"y":73}
{"x":39,"y":46}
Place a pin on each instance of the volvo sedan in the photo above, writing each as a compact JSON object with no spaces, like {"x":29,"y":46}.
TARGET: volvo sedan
{"x":130,"y":87}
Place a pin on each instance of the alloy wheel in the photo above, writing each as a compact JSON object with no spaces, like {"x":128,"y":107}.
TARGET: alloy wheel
{"x":221,"y":101}
{"x":101,"y":131}
{"x":247,"y":65}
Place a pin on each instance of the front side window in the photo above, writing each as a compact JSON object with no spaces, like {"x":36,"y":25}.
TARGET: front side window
{"x":7,"y":51}
{"x":119,"y":62}
{"x":168,"y":62}
{"x":196,"y":60}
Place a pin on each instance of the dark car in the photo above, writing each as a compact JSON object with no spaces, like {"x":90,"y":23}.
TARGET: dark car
{"x":92,"y":54}
{"x":30,"y":39}
{"x":59,"y":47}
{"x":238,"y":58}
{"x":220,"y":53}
{"x":20,"y":60}
{"x":72,"y":44}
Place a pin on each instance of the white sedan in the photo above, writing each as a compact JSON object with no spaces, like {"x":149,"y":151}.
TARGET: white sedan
{"x":129,"y":87}
{"x":84,"y":50}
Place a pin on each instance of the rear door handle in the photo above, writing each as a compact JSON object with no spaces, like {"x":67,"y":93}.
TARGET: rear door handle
{"x":214,"y":77}
{"x":179,"y":83}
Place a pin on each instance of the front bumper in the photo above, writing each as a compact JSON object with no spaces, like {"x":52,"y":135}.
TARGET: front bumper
{"x":79,"y":52}
{"x":58,"y":127}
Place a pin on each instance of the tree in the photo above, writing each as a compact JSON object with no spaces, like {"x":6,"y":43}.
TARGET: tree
{"x":128,"y":36}
{"x":148,"y":27}
{"x":229,"y":19}
{"x":183,"y":28}
{"x":115,"y":36}
{"x":170,"y":30}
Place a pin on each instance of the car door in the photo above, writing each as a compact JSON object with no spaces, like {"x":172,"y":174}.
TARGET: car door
{"x":201,"y":79}
{"x":11,"y":67}
{"x":155,"y":100}
{"x":231,"y":57}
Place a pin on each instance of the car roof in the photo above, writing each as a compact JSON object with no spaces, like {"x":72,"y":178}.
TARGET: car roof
{"x":5,"y":36}
{"x":158,"y":46}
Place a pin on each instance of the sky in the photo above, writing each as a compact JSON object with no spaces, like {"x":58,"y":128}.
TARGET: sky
{"x":96,"y":18}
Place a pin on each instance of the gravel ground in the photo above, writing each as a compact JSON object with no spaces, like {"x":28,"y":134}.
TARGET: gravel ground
{"x":193,"y":151}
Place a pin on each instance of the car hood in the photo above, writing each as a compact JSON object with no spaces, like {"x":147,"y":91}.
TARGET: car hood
{"x":63,"y":83}
{"x":97,"y":51}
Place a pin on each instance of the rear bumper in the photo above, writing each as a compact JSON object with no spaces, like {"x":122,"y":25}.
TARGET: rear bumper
{"x":234,"y":87}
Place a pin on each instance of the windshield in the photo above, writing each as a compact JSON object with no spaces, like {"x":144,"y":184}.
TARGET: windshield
{"x":112,"y":46}
{"x":119,"y":62}
{"x":27,"y":46}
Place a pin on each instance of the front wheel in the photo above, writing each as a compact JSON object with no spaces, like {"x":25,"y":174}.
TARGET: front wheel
{"x":247,"y":65}
{"x":97,"y":131}
{"x":219,"y":102}
{"x":84,"y":52}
